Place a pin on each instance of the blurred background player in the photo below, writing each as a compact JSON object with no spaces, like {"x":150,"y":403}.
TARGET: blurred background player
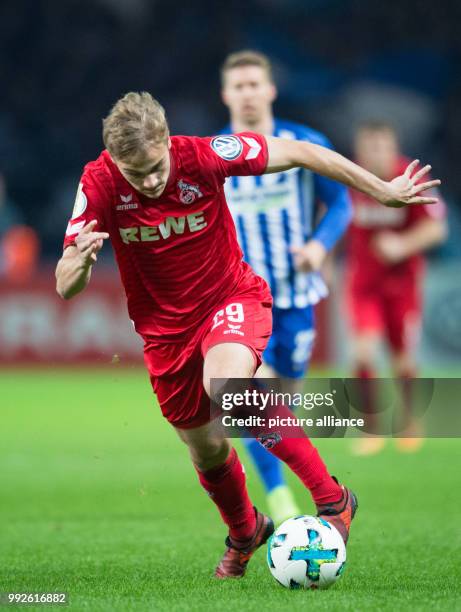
{"x":19,"y":244}
{"x":276,"y":219}
{"x":384,"y":274}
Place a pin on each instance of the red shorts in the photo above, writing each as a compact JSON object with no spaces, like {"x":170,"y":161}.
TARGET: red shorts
{"x":243,"y":318}
{"x":393,"y":312}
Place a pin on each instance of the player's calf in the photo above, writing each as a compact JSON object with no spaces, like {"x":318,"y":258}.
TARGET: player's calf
{"x":207,"y":446}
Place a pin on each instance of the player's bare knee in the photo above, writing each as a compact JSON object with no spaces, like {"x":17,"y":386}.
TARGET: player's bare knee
{"x":364,"y":364}
{"x":404,"y":365}
{"x":266,"y":371}
{"x":364,"y":357}
{"x":364,"y":351}
{"x":225,"y":361}
{"x":213,"y":389}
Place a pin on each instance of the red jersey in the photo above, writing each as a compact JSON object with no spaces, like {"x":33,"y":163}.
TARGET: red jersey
{"x":370,"y":218}
{"x":178,"y":254}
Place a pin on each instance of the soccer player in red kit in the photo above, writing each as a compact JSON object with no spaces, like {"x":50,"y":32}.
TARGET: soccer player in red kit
{"x":384,"y":271}
{"x":160,"y":200}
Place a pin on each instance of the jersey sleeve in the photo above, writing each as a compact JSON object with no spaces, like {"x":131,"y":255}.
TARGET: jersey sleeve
{"x":226,"y":155}
{"x":88,"y":206}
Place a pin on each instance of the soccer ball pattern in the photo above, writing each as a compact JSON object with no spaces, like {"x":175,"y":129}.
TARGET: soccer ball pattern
{"x":306,"y":552}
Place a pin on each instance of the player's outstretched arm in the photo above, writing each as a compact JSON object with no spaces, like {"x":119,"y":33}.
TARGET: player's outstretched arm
{"x":74,"y":268}
{"x":402,"y":191}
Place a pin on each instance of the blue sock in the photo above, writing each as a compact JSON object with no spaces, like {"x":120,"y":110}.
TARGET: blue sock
{"x":268,"y":467}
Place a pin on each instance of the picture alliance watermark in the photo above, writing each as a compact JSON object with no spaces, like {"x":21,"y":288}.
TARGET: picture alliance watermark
{"x":287,"y":421}
{"x":266,"y":400}
{"x":338,"y":407}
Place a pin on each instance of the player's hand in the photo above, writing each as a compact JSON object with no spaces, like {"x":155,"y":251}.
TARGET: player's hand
{"x":389,"y":247}
{"x":310,"y":257}
{"x":405,"y":189}
{"x":89,"y":243}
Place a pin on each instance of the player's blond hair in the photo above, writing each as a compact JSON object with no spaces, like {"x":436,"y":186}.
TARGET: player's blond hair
{"x":246,"y":58}
{"x":135,"y":122}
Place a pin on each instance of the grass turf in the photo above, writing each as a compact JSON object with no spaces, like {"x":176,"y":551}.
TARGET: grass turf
{"x":98,"y":499}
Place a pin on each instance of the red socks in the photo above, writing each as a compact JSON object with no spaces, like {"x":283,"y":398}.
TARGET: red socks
{"x":225,"y":484}
{"x":305,"y":461}
{"x":294,"y":448}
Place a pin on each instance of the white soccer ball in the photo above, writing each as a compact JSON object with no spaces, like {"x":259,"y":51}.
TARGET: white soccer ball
{"x":306,"y":552}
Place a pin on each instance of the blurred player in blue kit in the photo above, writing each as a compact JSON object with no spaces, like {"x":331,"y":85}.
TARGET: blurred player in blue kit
{"x":282,"y":238}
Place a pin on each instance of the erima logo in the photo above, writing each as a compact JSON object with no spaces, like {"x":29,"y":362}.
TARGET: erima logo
{"x":233,"y":331}
{"x":127,"y":203}
{"x":172,"y":225}
{"x":188,"y":193}
{"x":227,"y":147}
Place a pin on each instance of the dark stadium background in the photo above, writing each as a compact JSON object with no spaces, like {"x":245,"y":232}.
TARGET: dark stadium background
{"x":97,"y":495}
{"x":336,"y":62}
{"x":64,"y":63}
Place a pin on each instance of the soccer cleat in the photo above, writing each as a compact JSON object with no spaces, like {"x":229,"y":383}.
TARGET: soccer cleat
{"x":340,"y":513}
{"x":235,"y":559}
{"x":282,"y":505}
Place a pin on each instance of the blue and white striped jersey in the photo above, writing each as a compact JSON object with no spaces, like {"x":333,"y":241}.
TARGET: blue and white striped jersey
{"x":274,"y":212}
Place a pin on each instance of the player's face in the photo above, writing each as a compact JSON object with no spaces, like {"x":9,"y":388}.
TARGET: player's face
{"x":377,"y":151}
{"x":248,"y":92}
{"x":148,"y":172}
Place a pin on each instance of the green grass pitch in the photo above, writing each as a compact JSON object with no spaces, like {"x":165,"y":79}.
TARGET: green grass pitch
{"x":98,"y":498}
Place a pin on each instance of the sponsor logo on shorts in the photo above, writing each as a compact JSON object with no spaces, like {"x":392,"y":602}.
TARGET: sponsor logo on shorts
{"x":227,"y":147}
{"x":233,"y":331}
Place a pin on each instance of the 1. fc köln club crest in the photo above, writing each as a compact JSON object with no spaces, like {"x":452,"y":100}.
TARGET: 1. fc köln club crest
{"x":188,"y":193}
